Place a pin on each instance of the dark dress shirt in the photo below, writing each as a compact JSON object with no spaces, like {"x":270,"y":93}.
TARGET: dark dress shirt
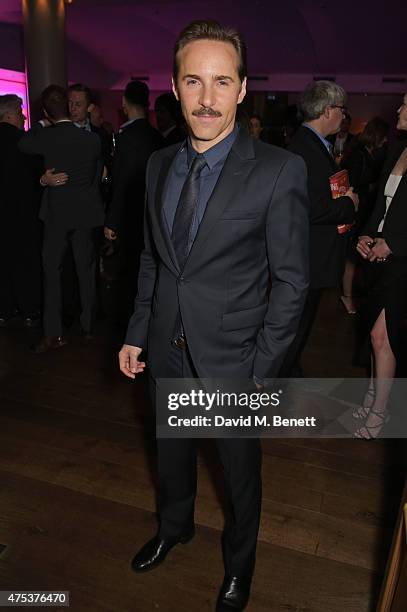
{"x":215,"y":158}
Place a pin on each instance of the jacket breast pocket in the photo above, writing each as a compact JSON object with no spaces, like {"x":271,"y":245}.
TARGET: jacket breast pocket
{"x":252,"y":317}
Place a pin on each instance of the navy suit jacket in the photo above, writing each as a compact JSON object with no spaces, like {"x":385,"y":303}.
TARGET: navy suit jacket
{"x":255,"y":230}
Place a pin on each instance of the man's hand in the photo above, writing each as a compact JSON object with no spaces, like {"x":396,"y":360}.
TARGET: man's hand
{"x":53,"y":179}
{"x":354,"y":197}
{"x":128,"y":360}
{"x":110,"y":234}
{"x":379,"y":251}
{"x":364,"y":246}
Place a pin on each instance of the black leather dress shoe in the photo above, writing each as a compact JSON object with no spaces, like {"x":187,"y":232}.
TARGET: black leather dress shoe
{"x":234,"y":594}
{"x":154,"y":552}
{"x":47,"y":343}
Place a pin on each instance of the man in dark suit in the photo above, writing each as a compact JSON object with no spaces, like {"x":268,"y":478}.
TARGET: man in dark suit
{"x":136,"y":141}
{"x":70,"y":210}
{"x":80,"y":107}
{"x":322,"y":108}
{"x":224,"y":213}
{"x":20,"y":244}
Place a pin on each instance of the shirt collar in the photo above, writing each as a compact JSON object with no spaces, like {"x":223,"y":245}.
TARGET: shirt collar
{"x":216,"y":153}
{"x":324,"y":141}
{"x":129,"y":122}
{"x":84,"y":126}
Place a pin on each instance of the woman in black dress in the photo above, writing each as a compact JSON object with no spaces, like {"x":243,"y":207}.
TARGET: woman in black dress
{"x":384,"y":246}
{"x":364,"y":165}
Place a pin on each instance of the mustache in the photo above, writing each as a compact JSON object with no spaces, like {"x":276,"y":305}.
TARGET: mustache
{"x":206,"y":111}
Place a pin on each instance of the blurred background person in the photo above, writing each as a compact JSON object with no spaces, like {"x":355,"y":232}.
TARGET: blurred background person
{"x":169,"y":119}
{"x":71,"y":209}
{"x":81,"y":106}
{"x":256,"y":126}
{"x":136,"y":141}
{"x":322,"y":107}
{"x":342,"y":141}
{"x":20,"y":244}
{"x":383,"y":245}
{"x":364,"y":164}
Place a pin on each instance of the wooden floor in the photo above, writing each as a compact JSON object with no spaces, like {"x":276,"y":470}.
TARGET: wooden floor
{"x":77,"y":491}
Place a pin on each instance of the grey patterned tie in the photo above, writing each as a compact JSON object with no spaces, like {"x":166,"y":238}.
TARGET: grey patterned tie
{"x":184,"y":215}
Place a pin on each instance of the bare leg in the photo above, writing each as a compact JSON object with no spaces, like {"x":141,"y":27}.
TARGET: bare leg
{"x":384,"y":371}
{"x":363,"y":411}
{"x":347,"y":287}
{"x":347,"y":279}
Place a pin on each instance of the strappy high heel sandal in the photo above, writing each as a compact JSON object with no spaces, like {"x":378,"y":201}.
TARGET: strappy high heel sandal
{"x":371,"y":432}
{"x":363,"y":411}
{"x":348,"y":304}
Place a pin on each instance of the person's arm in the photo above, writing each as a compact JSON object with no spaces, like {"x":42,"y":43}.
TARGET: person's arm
{"x":136,"y":336}
{"x":287,"y":233}
{"x":325,"y":210}
{"x":31,"y":142}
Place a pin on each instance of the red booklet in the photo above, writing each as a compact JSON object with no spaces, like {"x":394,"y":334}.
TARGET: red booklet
{"x":339,"y":186}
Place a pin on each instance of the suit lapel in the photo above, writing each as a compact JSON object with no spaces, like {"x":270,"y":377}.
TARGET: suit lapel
{"x":163,"y":233}
{"x":238,"y":164}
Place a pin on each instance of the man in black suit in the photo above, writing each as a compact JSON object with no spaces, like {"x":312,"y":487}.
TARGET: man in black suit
{"x":322,"y":106}
{"x":136,"y":141}
{"x":224,"y":213}
{"x":80,"y":107}
{"x":20,"y":244}
{"x":70,"y":210}
{"x":169,"y":118}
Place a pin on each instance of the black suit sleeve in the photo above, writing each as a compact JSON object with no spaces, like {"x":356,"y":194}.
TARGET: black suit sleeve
{"x":138,"y":325}
{"x":326,"y":210}
{"x":287,"y":233}
{"x":32,"y":142}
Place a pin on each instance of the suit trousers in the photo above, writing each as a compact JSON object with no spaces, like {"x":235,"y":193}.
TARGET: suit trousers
{"x":177,"y":483}
{"x":53,"y":250}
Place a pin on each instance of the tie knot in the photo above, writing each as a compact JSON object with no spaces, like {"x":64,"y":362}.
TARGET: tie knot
{"x":197,"y":165}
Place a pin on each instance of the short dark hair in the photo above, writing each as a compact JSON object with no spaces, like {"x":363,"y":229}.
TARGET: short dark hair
{"x":374,"y":133}
{"x":211,"y":30}
{"x":168,"y":102}
{"x":137,"y":93}
{"x":83,"y":88}
{"x":54,"y":99}
{"x":9,"y":103}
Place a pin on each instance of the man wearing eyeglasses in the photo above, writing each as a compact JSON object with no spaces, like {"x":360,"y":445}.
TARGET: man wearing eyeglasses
{"x":322,"y":106}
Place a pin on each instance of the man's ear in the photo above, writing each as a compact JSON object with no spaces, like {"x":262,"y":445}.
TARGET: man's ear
{"x":174,"y":89}
{"x":242,"y":92}
{"x":90,"y":107}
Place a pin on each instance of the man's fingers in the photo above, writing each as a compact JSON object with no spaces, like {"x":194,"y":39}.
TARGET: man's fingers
{"x":124,"y":364}
{"x":134,"y":364}
{"x":128,"y":361}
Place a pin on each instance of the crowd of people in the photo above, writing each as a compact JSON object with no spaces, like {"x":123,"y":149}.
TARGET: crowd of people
{"x":203,"y":215}
{"x":72,"y":172}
